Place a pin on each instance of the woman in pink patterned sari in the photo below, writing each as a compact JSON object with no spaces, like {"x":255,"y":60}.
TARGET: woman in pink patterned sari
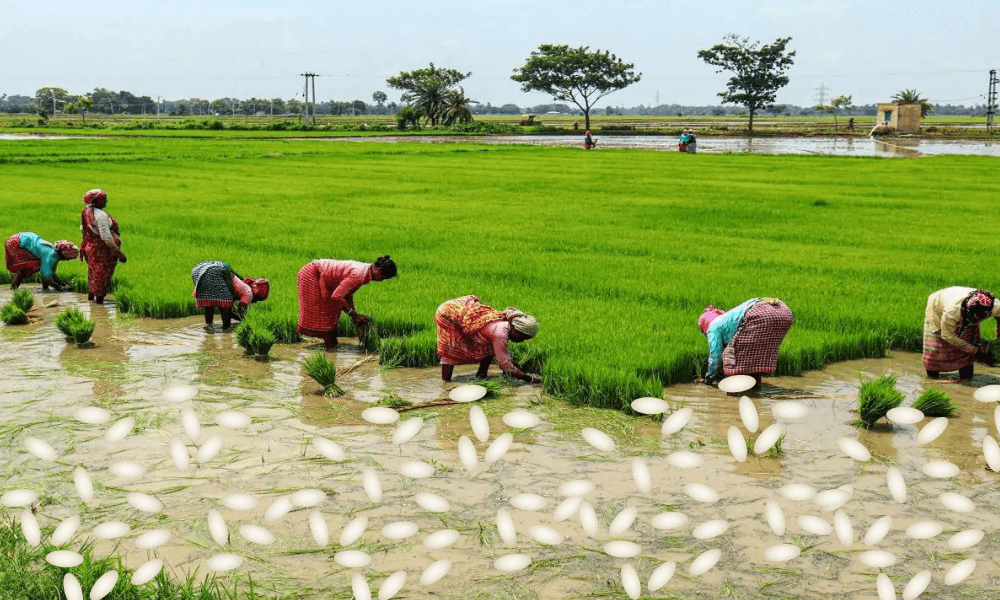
{"x":101,"y":246}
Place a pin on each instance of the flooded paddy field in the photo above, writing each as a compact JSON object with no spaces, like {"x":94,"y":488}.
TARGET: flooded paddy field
{"x":548,"y":481}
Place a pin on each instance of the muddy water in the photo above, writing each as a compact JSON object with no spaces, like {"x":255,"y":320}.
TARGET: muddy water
{"x":133,"y":360}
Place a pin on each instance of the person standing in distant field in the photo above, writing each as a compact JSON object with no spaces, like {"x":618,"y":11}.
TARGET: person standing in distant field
{"x":26,"y":254}
{"x":101,"y":245}
{"x":588,"y":141}
{"x":217,"y":285}
{"x":326,"y":288}
{"x":471,"y":332}
{"x":692,"y":143}
{"x":951,"y":330}
{"x":746,"y":339}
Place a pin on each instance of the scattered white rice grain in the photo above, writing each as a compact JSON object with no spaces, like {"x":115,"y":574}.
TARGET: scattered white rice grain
{"x":30,"y":529}
{"x":111,"y":530}
{"x":179,"y":454}
{"x":737,"y":384}
{"x":407,"y":430}
{"x":307,"y":498}
{"x":598,"y":439}
{"x":767,"y":438}
{"x":120,"y":430}
{"x":147,"y":571}
{"x":701,"y":493}
{"x":143,"y":502}
{"x":467,"y":454}
{"x":41,"y":449}
{"x":814,"y":525}
{"x":991,"y":451}
{"x":257,"y":535}
{"x":380,"y":415}
{"x":103,"y":586}
{"x":775,"y":518}
{"x":957,"y":502}
{"x":966,"y":539}
{"x":71,"y":586}
{"x":232,"y":419}
{"x":650,"y":406}
{"x":372,"y":485}
{"x":588,"y":519}
{"x":831,"y":500}
{"x":930,"y":432}
{"x":18,"y":498}
{"x":987,"y":393}
{"x":152,"y":539}
{"x":435,"y":572}
{"x":748,"y":414}
{"x":798,"y":492}
{"x":669,"y":520}
{"x":877,"y":559}
{"x":878,"y":530}
{"x":940,"y":469}
{"x":66,"y":559}
{"x":360,"y":587}
{"x":65,"y":531}
{"x":432,"y":502}
{"x":279,"y":508}
{"x":640,"y":474}
{"x":622,"y":549}
{"x":92,"y":415}
{"x":623,"y":521}
{"x":924,"y":530}
{"x":480,"y":424}
{"x":676,"y":421}
{"x":884,"y":587}
{"x":84,"y":486}
{"x":528,"y":502}
{"x":737,"y":444}
{"x":781,"y":553}
{"x":180,"y":393}
{"x":127,"y":469}
{"x":352,"y":559}
{"x":685,"y":460}
{"x":854,"y":449}
{"x":505,"y":526}
{"x":329,"y":449}
{"x":319,"y":529}
{"x":710,"y":529}
{"x":661,"y":576}
{"x":217,"y":527}
{"x":960,"y":572}
{"x":843,"y":528}
{"x":353,"y":531}
{"x":416,"y":469}
{"x":567,"y":508}
{"x":441,"y":539}
{"x":705,"y":561}
{"x":467,"y":393}
{"x":577,"y":487}
{"x":240,"y":501}
{"x":916,"y":586}
{"x":545,"y":535}
{"x":400,"y":530}
{"x":897,"y":485}
{"x":209,"y":449}
{"x":630,"y":581}
{"x":789,"y":410}
{"x":498,"y":448}
{"x":904,"y":415}
{"x":521,"y":419}
{"x":191,"y":424}
{"x":224,"y":562}
{"x":391,"y":586}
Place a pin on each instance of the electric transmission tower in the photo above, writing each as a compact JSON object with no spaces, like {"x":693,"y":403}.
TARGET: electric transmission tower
{"x":821,"y":95}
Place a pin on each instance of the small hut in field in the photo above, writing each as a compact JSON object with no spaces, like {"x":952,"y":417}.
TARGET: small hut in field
{"x":899,"y":116}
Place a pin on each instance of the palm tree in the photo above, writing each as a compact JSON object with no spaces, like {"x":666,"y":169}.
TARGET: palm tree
{"x":913,"y":97}
{"x":455,"y":108}
{"x":428,"y":97}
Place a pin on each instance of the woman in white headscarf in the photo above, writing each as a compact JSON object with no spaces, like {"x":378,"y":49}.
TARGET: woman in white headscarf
{"x":471,"y":332}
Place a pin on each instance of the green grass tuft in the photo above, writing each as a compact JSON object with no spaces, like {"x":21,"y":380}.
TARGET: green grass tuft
{"x":876,"y":398}
{"x":23,"y":299}
{"x":935,"y":403}
{"x":323,"y":372}
{"x":13,"y":315}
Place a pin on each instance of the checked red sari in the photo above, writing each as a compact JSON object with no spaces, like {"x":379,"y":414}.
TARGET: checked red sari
{"x":460,"y":322}
{"x":754,"y":347}
{"x":19,"y":259}
{"x":101,"y":260}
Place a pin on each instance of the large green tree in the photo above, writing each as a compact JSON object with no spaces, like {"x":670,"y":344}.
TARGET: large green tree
{"x":913,"y":97}
{"x":427,"y":89}
{"x":758,"y":71}
{"x":575,"y":75}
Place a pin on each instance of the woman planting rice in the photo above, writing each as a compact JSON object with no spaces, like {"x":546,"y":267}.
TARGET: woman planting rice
{"x":217,"y":285}
{"x":745,"y":340}
{"x":951,"y":330}
{"x":327,"y":287}
{"x":101,"y":245}
{"x":27,"y":254}
{"x":471,"y":332}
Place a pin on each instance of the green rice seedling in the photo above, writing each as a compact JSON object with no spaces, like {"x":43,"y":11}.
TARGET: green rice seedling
{"x":368,"y":337}
{"x":254,"y":336}
{"x":323,"y":372}
{"x":67,"y":318}
{"x":934,"y":402}
{"x":81,"y":331}
{"x":23,"y":299}
{"x":13,"y":315}
{"x":393,"y":400}
{"x":876,"y":398}
{"x":992,"y":353}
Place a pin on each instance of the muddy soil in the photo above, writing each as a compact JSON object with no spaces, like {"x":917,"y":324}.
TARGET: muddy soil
{"x":45,"y":380}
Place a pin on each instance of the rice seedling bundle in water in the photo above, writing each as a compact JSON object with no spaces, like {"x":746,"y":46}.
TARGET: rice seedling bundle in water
{"x":66,"y":320}
{"x":254,"y":336}
{"x":323,"y":372}
{"x":876,"y":398}
{"x":23,"y":299}
{"x":934,"y":403}
{"x":13,"y":315}
{"x":81,"y":331}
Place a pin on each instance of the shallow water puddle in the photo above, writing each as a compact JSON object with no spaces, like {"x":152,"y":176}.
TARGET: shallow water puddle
{"x":133,"y":360}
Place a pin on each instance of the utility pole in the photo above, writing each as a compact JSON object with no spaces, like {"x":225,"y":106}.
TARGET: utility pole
{"x":821,"y":95}
{"x":991,"y":101}
{"x":305,"y":95}
{"x":53,"y":102}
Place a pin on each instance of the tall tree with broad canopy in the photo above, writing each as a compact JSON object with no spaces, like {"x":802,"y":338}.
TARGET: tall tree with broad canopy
{"x":759,"y":71}
{"x":575,"y":75}
{"x":427,"y":89}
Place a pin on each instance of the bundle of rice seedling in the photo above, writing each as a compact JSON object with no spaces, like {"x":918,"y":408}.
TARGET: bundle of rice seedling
{"x":323,"y":372}
{"x":255,"y":338}
{"x":935,"y":403}
{"x":13,"y":315}
{"x":991,"y":354}
{"x":67,"y":318}
{"x":876,"y":398}
{"x":82,"y":330}
{"x":23,"y":299}
{"x":368,"y":337}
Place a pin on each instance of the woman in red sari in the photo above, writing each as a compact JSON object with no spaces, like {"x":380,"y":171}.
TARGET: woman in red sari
{"x":327,"y":287}
{"x":101,"y":245}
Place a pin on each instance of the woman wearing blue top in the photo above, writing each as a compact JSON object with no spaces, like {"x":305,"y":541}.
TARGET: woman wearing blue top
{"x":745,"y":340}
{"x":26,"y":254}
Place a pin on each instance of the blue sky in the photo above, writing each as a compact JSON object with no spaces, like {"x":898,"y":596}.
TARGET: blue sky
{"x":212,"y":49}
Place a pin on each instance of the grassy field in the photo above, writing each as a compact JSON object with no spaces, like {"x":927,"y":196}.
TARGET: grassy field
{"x":615,"y":252}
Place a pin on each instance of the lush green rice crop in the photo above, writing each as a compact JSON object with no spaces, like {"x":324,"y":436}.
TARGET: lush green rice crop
{"x":12,"y":314}
{"x":23,"y":299}
{"x":616,"y":252}
{"x":876,"y":398}
{"x":934,"y":402}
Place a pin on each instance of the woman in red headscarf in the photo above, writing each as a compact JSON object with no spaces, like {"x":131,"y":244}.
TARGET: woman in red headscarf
{"x":327,"y":287}
{"x":217,"y":285}
{"x":101,"y":245}
{"x":26,"y":254}
{"x":951,"y":330}
{"x":745,"y":339}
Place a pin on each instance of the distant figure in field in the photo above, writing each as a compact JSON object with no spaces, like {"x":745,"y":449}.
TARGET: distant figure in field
{"x":745,"y":340}
{"x":327,"y":287}
{"x":588,"y":141}
{"x":101,"y":245}
{"x":471,"y":332}
{"x":217,"y":285}
{"x":951,"y":330}
{"x":26,"y":254}
{"x":688,"y":143}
